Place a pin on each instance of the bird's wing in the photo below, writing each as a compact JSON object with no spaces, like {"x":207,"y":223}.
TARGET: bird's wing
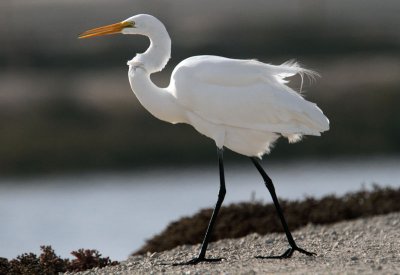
{"x":246,"y":94}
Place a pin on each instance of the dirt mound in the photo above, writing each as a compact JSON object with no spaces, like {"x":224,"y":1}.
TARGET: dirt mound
{"x":238,"y":220}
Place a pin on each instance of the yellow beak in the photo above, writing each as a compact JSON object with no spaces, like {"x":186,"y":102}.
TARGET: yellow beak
{"x":105,"y":30}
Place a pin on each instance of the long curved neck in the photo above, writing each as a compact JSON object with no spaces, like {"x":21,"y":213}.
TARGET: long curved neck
{"x":157,"y":55}
{"x":160,"y":102}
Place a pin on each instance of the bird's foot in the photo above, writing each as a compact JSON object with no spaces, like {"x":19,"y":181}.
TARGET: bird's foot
{"x":197,"y":260}
{"x":288,"y":253}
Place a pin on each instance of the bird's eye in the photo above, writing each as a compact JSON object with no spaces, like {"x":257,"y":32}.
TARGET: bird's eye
{"x":131,"y":25}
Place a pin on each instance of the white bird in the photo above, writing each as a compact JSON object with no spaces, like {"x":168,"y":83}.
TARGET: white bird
{"x":243,"y":105}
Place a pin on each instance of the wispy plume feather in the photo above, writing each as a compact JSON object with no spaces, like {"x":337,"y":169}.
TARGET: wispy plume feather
{"x":292,"y":67}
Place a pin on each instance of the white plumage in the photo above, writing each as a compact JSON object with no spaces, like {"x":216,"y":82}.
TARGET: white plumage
{"x":243,"y":105}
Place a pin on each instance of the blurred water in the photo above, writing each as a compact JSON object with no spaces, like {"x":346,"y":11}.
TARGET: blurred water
{"x":116,"y":212}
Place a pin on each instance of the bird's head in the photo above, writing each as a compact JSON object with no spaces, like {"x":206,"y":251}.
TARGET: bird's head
{"x":138,"y":24}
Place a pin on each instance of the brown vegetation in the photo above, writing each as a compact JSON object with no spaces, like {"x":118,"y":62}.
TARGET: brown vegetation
{"x":238,"y":220}
{"x":49,"y":263}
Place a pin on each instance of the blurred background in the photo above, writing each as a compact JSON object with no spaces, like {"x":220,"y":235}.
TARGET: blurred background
{"x":82,"y":164}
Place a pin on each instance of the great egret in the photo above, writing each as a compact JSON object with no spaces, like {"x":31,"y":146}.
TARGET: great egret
{"x":243,"y":105}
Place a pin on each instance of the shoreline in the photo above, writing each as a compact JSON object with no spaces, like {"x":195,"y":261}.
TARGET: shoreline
{"x":361,"y":246}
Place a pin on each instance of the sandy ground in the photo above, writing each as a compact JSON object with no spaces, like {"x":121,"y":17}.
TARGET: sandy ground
{"x":363,"y":246}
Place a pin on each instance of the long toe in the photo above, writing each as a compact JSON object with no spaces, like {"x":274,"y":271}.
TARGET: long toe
{"x":288,"y":253}
{"x":301,"y":250}
{"x":197,"y":260}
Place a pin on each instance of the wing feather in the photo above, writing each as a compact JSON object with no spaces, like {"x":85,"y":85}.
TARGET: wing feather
{"x":247,"y":94}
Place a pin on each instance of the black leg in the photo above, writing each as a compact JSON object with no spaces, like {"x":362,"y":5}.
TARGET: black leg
{"x":293,"y":246}
{"x":221,"y":196}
